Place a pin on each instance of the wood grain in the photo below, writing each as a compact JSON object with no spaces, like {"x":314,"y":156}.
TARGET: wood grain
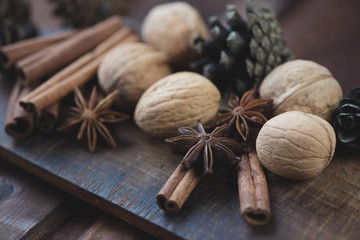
{"x":21,"y":214}
{"x":124,"y":181}
{"x":107,"y":227}
{"x":82,"y":216}
{"x":62,"y":218}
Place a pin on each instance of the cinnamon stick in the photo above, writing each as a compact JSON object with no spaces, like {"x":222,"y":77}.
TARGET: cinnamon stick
{"x":114,"y":39}
{"x":253,"y":190}
{"x":177,"y":189}
{"x":35,"y":56}
{"x":19,"y":123}
{"x":69,"y":50}
{"x":73,"y":76}
{"x":47,"y":119}
{"x":12,"y":53}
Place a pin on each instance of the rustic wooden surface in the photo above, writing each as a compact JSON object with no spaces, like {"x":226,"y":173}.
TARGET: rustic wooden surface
{"x":19,"y":198}
{"x":124,"y":181}
{"x":32,"y":209}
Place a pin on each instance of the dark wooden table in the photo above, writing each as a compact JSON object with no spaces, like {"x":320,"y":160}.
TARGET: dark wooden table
{"x":32,"y":209}
{"x":326,"y":31}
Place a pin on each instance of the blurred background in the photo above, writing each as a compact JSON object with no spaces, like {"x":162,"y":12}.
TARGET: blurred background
{"x":325,"y":31}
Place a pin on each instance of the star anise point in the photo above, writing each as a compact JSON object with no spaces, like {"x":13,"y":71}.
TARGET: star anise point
{"x":244,"y":112}
{"x":92,"y":115}
{"x":201,"y":148}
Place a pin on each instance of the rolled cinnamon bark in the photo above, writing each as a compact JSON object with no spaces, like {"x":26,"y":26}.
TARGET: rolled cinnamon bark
{"x":253,"y":190}
{"x":177,"y":189}
{"x":69,"y":50}
{"x":22,"y":63}
{"x":114,"y":39}
{"x":73,"y":76}
{"x":47,"y":119}
{"x":19,"y":123}
{"x":12,"y":53}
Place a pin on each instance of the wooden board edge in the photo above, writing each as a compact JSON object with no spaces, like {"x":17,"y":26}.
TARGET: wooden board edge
{"x":103,"y":204}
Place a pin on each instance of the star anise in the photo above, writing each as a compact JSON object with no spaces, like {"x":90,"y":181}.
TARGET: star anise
{"x":243,"y":113}
{"x":92,"y":115}
{"x":201,"y":148}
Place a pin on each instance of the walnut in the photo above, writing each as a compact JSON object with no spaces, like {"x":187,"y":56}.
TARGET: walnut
{"x":131,"y":68}
{"x":177,"y":100}
{"x":171,"y":28}
{"x":296,"y":145}
{"x":301,"y":85}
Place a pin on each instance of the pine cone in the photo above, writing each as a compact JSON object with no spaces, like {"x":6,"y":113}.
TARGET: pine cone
{"x":267,"y":46}
{"x":15,"y":11}
{"x":243,"y":53}
{"x":15,"y":24}
{"x":83,"y":13}
{"x":223,"y":58}
{"x":11,"y":32}
{"x":347,"y":121}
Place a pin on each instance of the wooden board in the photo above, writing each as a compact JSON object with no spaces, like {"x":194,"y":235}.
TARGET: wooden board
{"x":21,"y":214}
{"x":124,"y":181}
{"x":33,"y":209}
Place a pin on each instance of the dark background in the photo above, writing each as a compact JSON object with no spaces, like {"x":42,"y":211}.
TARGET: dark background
{"x":325,"y":31}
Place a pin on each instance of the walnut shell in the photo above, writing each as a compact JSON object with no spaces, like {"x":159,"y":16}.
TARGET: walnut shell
{"x":177,"y":100}
{"x":296,"y":145}
{"x":171,"y":28}
{"x":301,"y":85}
{"x":131,"y":68}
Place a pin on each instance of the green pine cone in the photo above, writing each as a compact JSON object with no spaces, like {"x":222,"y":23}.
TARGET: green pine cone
{"x":267,"y":47}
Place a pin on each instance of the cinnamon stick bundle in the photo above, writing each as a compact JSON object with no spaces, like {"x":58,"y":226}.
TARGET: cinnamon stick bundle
{"x":22,"y":63}
{"x":47,"y":118}
{"x":76,"y":74}
{"x":19,"y":123}
{"x":177,"y":189}
{"x":69,"y":50}
{"x":253,"y":190}
{"x":12,"y":53}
